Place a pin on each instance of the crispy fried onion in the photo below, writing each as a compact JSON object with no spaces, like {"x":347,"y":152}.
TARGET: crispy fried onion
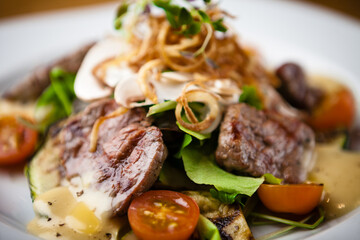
{"x":215,"y":59}
{"x":95,"y":129}
{"x":143,"y":78}
{"x":213,"y":117}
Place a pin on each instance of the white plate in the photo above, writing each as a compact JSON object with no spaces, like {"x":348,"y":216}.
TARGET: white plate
{"x":323,"y":42}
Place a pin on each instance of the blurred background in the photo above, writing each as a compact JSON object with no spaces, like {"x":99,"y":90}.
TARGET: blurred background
{"x":10,"y":8}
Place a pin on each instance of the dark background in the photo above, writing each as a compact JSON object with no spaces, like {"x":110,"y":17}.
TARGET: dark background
{"x":10,"y":8}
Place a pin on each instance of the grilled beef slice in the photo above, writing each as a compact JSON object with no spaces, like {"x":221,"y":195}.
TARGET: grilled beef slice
{"x":258,"y":142}
{"x":128,"y":157}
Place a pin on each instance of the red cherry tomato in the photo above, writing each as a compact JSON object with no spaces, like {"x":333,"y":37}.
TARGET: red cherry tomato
{"x":337,"y":111}
{"x":17,"y":142}
{"x":163,"y":215}
{"x":292,"y":198}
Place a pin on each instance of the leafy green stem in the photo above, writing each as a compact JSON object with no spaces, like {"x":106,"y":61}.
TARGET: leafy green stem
{"x":282,"y":230}
{"x":206,"y":41}
{"x":290,"y":222}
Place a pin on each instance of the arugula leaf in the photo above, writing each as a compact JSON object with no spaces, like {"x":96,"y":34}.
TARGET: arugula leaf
{"x":250,"y":97}
{"x":204,"y":16}
{"x":174,"y":177}
{"x":187,"y":140}
{"x":269,"y":178}
{"x":227,"y":198}
{"x":194,"y":134}
{"x":202,"y":169}
{"x":167,"y":6}
{"x":170,"y":17}
{"x":207,"y":229}
{"x":219,"y":26}
{"x":121,"y":11}
{"x":61,"y":89}
{"x":193,"y":29}
{"x":161,"y":107}
{"x":180,"y":18}
{"x":185,"y":17}
{"x":56,"y":101}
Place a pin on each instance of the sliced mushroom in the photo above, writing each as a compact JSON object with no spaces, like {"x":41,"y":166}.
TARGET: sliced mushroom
{"x":115,"y":74}
{"x":177,"y":77}
{"x":128,"y":93}
{"x":87,"y":87}
{"x":167,"y":91}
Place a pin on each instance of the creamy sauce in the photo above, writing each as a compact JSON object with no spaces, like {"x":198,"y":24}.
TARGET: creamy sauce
{"x":14,"y":108}
{"x":60,"y":214}
{"x":327,"y":84}
{"x":339,"y":171}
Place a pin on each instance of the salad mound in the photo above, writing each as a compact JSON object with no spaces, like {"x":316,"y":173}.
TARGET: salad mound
{"x":171,"y":128}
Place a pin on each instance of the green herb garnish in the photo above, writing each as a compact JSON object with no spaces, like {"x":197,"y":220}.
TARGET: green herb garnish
{"x":121,"y":12}
{"x":228,"y":198}
{"x":269,"y":178}
{"x":202,"y":169}
{"x":291,"y":222}
{"x":56,"y":101}
{"x":249,"y":96}
{"x":193,"y":133}
{"x":161,"y":107}
{"x":186,"y":21}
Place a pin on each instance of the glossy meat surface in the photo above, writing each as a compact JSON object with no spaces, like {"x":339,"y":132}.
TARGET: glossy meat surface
{"x":128,"y":157}
{"x":258,"y":142}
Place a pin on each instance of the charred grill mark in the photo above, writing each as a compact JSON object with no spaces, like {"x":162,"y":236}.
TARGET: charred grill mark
{"x":258,"y":142}
{"x":128,"y":157}
{"x":222,"y":222}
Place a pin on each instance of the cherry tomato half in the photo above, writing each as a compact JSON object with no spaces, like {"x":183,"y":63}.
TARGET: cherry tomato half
{"x":163,"y":215}
{"x":17,"y":142}
{"x":292,"y":198}
{"x":336,"y":111}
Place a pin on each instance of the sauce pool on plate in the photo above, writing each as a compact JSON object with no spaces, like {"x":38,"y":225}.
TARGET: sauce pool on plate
{"x":339,"y":171}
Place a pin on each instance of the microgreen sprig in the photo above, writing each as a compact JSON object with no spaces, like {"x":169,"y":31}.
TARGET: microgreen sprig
{"x":187,"y":21}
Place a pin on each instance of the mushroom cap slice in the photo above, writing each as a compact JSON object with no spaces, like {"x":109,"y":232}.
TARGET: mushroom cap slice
{"x":87,"y":86}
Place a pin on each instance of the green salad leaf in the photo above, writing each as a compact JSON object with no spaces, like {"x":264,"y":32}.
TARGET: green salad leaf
{"x":174,"y":177}
{"x":207,"y":229}
{"x":202,"y":169}
{"x":197,"y":135}
{"x":121,"y":12}
{"x":228,"y":198}
{"x":161,"y":107}
{"x":249,"y":96}
{"x":219,"y":26}
{"x":187,"y":140}
{"x":56,"y":101}
{"x":269,"y":178}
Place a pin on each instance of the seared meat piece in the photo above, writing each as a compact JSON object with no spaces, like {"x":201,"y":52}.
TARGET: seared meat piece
{"x":128,"y":157}
{"x":33,"y":85}
{"x":258,"y":142}
{"x":295,"y":89}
